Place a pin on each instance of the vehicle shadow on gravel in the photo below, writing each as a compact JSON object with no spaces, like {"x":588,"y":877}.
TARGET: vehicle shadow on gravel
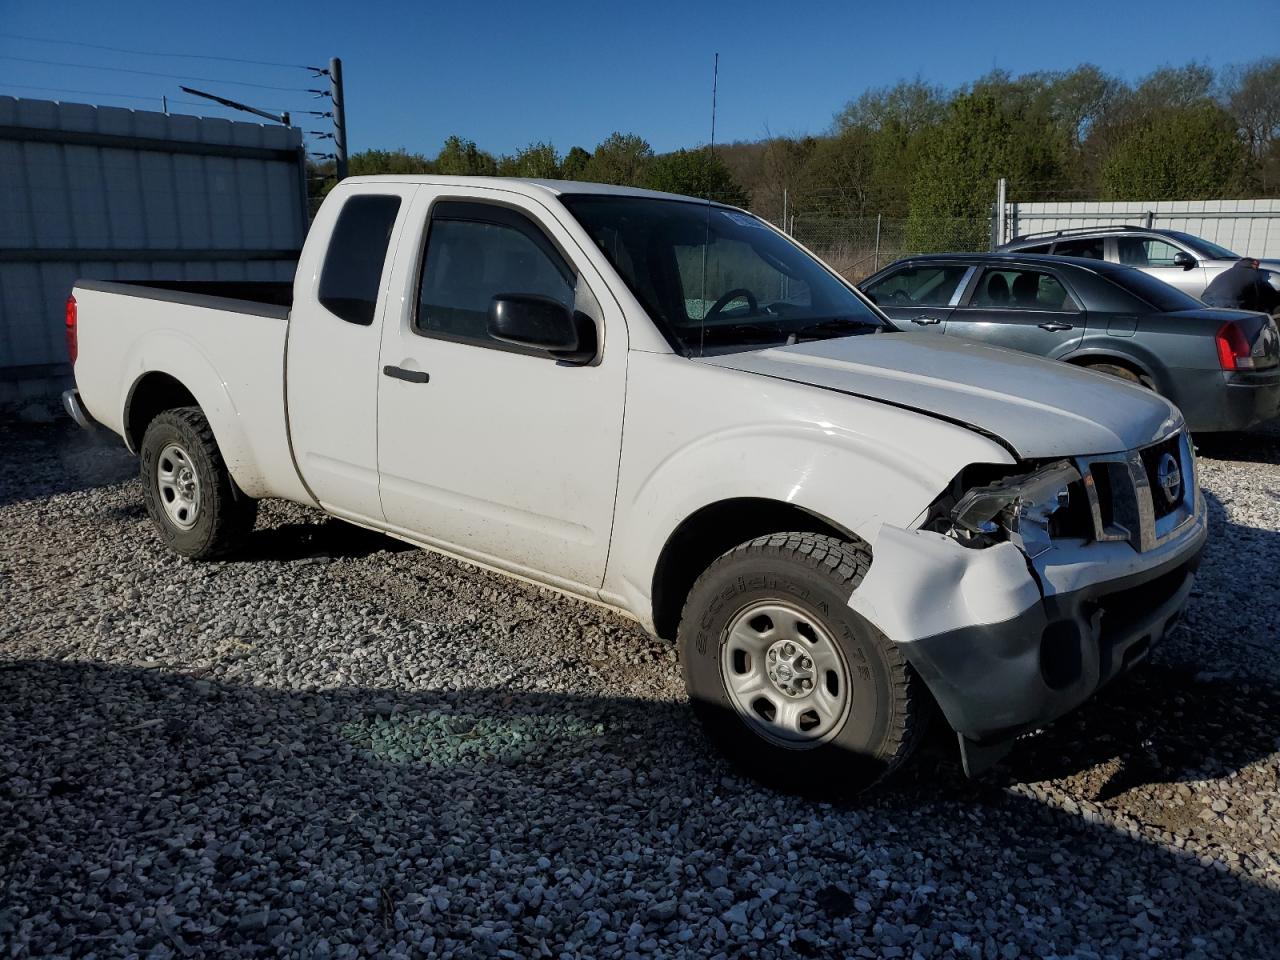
{"x":147,"y":810}
{"x":44,"y":459}
{"x":1260,"y":445}
{"x":327,"y":537}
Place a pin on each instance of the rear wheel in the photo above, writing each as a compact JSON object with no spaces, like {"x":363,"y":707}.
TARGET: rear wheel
{"x":1124,"y":373}
{"x":191,"y":498}
{"x":794,"y":687}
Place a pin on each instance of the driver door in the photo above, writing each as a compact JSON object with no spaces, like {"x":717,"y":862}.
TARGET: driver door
{"x":1155,"y":256}
{"x":919,"y":297}
{"x":498,"y":453}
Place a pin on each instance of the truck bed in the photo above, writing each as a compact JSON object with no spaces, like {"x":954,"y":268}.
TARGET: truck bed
{"x":242,"y":296}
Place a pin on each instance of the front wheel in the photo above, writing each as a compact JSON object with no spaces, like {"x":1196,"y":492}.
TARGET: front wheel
{"x":793,"y":686}
{"x":190,"y":495}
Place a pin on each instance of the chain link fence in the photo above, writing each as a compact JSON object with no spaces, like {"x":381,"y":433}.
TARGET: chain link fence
{"x":859,"y":246}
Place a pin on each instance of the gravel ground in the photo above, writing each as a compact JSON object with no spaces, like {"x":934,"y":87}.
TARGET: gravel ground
{"x":338,"y":747}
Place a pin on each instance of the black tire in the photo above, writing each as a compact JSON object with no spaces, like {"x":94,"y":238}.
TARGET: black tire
{"x":1123,"y":373}
{"x":815,"y":575}
{"x":221,"y":516}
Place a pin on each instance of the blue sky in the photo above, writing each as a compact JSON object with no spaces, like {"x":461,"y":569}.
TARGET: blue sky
{"x":508,"y":73}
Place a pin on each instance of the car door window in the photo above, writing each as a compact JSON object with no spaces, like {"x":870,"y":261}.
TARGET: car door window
{"x":1091,"y":248}
{"x":918,"y":286}
{"x":474,"y":252}
{"x":1146,"y":252}
{"x":1018,"y":289}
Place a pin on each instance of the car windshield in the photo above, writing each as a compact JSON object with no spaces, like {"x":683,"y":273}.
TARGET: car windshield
{"x":717,"y":279}
{"x":1159,"y":294}
{"x":1206,"y":248}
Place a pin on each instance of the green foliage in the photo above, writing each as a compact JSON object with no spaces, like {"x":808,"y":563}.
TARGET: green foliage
{"x":370,"y":162}
{"x":1178,"y":153}
{"x":574,"y":165}
{"x":695,"y":173}
{"x":537,"y":161}
{"x":621,"y":158}
{"x":462,"y":158}
{"x":979,"y":142}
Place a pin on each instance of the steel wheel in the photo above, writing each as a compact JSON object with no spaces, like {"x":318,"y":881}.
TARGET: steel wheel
{"x":785,"y":674}
{"x":179,"y":486}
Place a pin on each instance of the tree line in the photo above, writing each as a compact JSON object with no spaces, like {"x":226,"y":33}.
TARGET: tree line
{"x":917,"y":151}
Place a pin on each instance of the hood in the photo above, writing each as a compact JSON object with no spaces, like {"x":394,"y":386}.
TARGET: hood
{"x":1039,"y":408}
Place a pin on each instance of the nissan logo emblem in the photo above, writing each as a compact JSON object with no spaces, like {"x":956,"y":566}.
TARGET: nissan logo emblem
{"x":1169,"y":478}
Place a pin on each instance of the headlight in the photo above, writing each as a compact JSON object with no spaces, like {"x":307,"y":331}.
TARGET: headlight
{"x":1020,"y":509}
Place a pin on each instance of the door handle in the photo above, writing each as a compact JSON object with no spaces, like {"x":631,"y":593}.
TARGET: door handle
{"x":412,"y":376}
{"x":926,"y":320}
{"x":1053,"y":326}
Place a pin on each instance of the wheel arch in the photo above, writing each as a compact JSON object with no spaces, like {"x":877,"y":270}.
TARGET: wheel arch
{"x":1142,"y":366}
{"x":716,"y":529}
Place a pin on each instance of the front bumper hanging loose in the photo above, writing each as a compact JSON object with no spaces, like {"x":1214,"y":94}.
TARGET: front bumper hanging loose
{"x":1007,"y":644}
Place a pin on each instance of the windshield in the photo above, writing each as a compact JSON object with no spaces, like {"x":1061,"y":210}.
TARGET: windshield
{"x":1206,"y":249}
{"x":716,"y":279}
{"x":1159,"y":294}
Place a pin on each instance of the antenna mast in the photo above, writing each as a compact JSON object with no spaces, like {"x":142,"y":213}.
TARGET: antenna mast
{"x":715,"y":83}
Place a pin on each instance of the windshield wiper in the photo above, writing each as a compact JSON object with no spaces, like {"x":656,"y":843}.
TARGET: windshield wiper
{"x":742,"y":332}
{"x":833,"y":327}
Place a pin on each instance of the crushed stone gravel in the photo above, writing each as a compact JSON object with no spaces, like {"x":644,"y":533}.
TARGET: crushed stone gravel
{"x":336,"y":746}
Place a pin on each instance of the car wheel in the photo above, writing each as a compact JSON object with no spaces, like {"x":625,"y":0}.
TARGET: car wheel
{"x":191,"y":498}
{"x":795,"y":688}
{"x":1124,"y":373}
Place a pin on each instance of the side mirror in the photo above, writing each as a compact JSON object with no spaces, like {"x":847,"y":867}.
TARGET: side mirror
{"x":543,"y":324}
{"x":1184,"y":260}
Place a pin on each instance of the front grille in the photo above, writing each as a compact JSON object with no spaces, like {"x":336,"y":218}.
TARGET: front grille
{"x":1128,"y":493}
{"x":1164,"y":499}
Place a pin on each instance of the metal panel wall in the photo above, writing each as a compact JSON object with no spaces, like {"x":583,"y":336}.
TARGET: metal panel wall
{"x":1250,"y":228}
{"x":114,"y":194}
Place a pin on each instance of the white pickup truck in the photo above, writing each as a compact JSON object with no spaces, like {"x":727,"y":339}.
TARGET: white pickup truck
{"x":668,"y":407}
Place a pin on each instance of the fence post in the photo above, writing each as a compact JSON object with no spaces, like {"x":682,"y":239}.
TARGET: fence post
{"x":877,"y":255}
{"x":997,"y":228}
{"x":784,"y":209}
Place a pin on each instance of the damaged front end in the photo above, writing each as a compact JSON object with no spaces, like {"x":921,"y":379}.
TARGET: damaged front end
{"x":1014,"y":603}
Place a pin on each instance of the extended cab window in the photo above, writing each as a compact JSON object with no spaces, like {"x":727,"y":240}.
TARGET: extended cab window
{"x":352,"y":272}
{"x":1021,"y":290}
{"x":476,"y":251}
{"x":918,"y":286}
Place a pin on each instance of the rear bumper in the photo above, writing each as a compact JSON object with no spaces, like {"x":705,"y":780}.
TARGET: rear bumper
{"x":1231,"y":401}
{"x":75,"y":409}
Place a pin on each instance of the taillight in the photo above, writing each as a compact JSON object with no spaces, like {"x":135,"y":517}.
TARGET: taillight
{"x":73,"y":346}
{"x":1233,"y":348}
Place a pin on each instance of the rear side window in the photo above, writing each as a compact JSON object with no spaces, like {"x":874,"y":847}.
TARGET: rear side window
{"x":476,"y":251}
{"x":918,"y":286}
{"x":1021,"y":290}
{"x":352,"y":271}
{"x":1089,"y":247}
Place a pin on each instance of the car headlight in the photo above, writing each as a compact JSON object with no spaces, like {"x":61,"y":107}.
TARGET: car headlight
{"x":1021,"y":509}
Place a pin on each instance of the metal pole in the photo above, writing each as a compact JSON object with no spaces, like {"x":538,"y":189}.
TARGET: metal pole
{"x":878,"y":216}
{"x":339,"y":118}
{"x":1002,"y":196}
{"x":164,"y":104}
{"x":784,"y":208}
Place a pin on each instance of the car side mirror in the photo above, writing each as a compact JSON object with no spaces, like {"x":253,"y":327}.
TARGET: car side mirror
{"x":1184,"y":260}
{"x":543,"y":324}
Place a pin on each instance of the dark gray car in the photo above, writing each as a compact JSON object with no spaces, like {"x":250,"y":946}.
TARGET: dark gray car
{"x":1221,"y":367}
